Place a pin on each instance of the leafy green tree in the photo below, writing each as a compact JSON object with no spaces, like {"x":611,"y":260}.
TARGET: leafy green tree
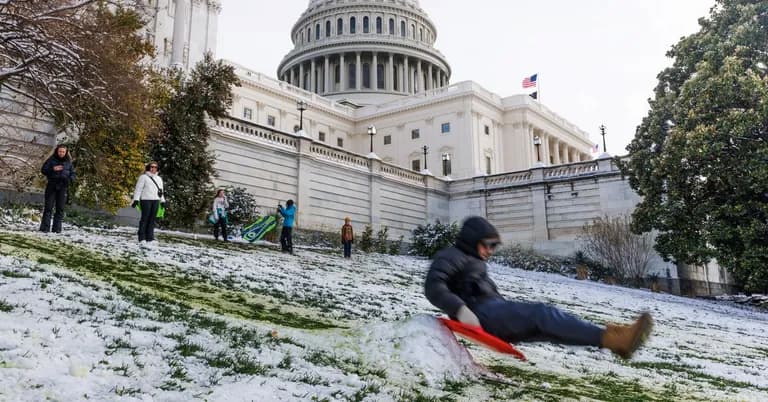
{"x":699,"y":158}
{"x":366,"y":239}
{"x":181,"y":149}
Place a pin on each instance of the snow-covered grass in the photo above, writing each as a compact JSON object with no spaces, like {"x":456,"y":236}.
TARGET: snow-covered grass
{"x":88,"y":314}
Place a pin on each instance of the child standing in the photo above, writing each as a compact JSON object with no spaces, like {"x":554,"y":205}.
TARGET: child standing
{"x":347,"y":237}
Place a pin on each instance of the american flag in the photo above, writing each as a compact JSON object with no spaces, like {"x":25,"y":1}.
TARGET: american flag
{"x":596,"y":148}
{"x":529,"y":82}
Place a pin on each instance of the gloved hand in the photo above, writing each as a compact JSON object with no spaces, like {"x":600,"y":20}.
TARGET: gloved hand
{"x":135,"y":204}
{"x":466,"y":316}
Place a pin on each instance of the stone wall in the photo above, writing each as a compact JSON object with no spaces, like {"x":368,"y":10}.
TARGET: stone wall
{"x":327,"y":183}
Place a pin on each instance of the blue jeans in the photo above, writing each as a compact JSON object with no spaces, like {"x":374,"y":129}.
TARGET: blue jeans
{"x":535,"y":322}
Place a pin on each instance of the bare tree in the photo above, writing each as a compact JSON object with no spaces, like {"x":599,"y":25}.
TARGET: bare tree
{"x":611,"y":242}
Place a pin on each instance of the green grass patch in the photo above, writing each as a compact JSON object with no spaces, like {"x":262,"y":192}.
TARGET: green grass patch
{"x":692,"y":373}
{"x":6,"y":307}
{"x":13,"y":274}
{"x":525,"y":384}
{"x":157,"y":282}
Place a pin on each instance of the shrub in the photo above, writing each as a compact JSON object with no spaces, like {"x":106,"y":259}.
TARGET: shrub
{"x":395,"y":246}
{"x":242,"y":206}
{"x":381,"y":240}
{"x":427,"y":240}
{"x":611,"y":242}
{"x":366,"y":239}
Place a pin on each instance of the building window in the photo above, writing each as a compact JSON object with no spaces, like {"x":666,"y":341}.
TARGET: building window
{"x":271,"y":121}
{"x":391,"y":26}
{"x":416,"y":165}
{"x":340,"y":142}
{"x":421,"y":34}
{"x":317,"y":32}
{"x":339,"y":26}
{"x":327,"y":28}
{"x":445,"y":128}
{"x":380,"y":76}
{"x":352,"y":75}
{"x":402,"y":29}
{"x":337,"y":74}
{"x":321,"y":136}
{"x":352,"y":25}
{"x":415,"y":134}
{"x":446,"y":164}
{"x":378,"y":25}
{"x":366,"y":27}
{"x":413,"y":31}
{"x":309,"y":34}
{"x":366,"y":75}
{"x":387,"y":139}
{"x":487,"y":165}
{"x":487,"y":130}
{"x":247,"y":113}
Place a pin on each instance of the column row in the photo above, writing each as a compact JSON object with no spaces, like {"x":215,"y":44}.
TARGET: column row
{"x":556,"y":152}
{"x":369,"y":71}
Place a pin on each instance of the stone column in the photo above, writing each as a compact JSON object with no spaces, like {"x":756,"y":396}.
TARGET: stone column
{"x":180,"y":29}
{"x":406,"y":76}
{"x":375,"y":196}
{"x":539,"y":206}
{"x":358,"y":72}
{"x":304,"y":173}
{"x":301,"y":75}
{"x":342,"y":73}
{"x":375,"y":73}
{"x":327,"y":75}
{"x":430,"y":82}
{"x":391,"y":73}
{"x":419,"y":78}
{"x":312,"y":77}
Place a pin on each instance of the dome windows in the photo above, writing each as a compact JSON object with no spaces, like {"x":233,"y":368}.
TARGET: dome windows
{"x":327,"y":29}
{"x":378,"y":25}
{"x":366,"y":25}
{"x":352,"y":25}
{"x":391,"y":26}
{"x":339,"y":26}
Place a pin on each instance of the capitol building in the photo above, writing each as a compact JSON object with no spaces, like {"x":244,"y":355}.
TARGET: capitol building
{"x":362,"y":63}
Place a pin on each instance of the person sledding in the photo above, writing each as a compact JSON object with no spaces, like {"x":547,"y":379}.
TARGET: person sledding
{"x":458,"y":284}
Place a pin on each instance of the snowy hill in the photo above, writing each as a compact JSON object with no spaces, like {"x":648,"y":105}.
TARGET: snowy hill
{"x":88,"y":314}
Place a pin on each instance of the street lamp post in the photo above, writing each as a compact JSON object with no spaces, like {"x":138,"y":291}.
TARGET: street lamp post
{"x":302,"y":106}
{"x":371,"y":132}
{"x":425,"y":149}
{"x":602,"y":132}
{"x":537,"y":143}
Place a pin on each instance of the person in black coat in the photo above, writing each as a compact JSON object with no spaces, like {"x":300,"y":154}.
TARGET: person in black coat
{"x":459,"y":285}
{"x":60,"y":172}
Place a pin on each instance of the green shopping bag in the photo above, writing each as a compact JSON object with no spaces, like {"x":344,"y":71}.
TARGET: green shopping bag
{"x":160,"y":211}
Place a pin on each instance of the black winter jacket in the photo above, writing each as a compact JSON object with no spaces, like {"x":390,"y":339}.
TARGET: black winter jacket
{"x":64,"y":176}
{"x":458,"y":276}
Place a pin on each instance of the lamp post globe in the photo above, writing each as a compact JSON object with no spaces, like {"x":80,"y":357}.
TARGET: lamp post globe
{"x":301,"y":106}
{"x":371,"y":132}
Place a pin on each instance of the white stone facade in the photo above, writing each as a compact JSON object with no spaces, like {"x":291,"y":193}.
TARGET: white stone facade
{"x":471,"y":129}
{"x":182,"y":30}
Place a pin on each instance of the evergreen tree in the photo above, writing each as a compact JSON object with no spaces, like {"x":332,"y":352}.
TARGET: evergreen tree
{"x":699,"y":158}
{"x":186,"y":164}
{"x":427,"y":240}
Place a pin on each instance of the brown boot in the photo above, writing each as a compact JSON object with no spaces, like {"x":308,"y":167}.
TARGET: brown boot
{"x":624,"y":340}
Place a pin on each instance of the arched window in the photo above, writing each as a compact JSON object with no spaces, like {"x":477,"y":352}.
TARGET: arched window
{"x":402,"y":28}
{"x":413,"y":31}
{"x":339,"y":26}
{"x":317,"y":31}
{"x":391,"y":26}
{"x":352,"y":75}
{"x":378,"y":25}
{"x":309,"y":34}
{"x":301,"y":34}
{"x":396,"y":79}
{"x":366,"y":75}
{"x":421,"y":34}
{"x":337,"y":74}
{"x":352,"y":25}
{"x":366,"y":27}
{"x":327,"y":28}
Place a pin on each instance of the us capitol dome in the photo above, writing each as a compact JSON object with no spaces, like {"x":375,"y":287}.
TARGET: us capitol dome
{"x":364,"y":52}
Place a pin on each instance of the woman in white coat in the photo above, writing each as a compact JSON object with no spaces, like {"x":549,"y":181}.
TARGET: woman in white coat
{"x":148,"y":194}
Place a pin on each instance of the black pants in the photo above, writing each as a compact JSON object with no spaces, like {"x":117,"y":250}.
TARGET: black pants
{"x":147,"y":222}
{"x":221,"y":223}
{"x":286,"y":239}
{"x":347,"y":249}
{"x":55,"y":195}
{"x":535,"y":322}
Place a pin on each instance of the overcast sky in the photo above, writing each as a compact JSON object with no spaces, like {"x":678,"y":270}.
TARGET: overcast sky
{"x":597,"y":60}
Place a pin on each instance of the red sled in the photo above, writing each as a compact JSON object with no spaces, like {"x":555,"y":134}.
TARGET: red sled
{"x":478,"y":335}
